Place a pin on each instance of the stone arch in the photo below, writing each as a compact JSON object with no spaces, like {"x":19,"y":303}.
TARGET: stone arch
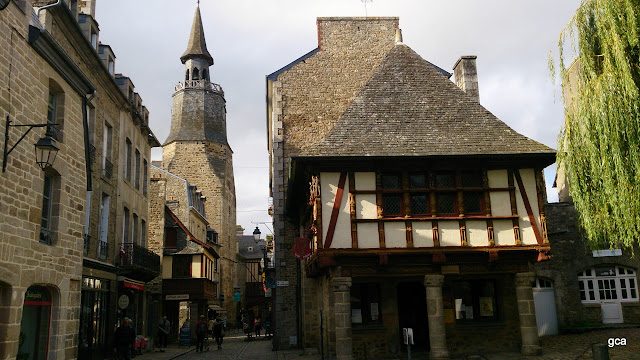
{"x":41,"y":302}
{"x":196,"y":74}
{"x":5,"y":309}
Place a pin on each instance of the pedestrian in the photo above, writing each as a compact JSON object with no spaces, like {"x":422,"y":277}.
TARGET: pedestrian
{"x":201,"y":333}
{"x":218,"y":331}
{"x":210,"y":326}
{"x":257,"y":325}
{"x":163,"y":331}
{"x":123,"y":340}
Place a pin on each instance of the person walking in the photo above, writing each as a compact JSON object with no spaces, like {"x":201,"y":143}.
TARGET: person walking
{"x":163,"y":331}
{"x":201,"y":333}
{"x":218,"y":331}
{"x":123,"y":340}
{"x":257,"y":325}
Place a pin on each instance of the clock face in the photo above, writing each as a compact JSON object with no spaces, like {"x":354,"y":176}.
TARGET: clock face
{"x":123,"y":301}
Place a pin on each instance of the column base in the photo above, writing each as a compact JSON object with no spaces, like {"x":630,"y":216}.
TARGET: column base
{"x":531,"y":350}
{"x":439,"y":354}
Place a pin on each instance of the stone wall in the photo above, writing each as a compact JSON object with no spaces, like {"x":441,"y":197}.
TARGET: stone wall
{"x":307,"y":100}
{"x":209,"y":165}
{"x":24,"y":260}
{"x":571,"y":253}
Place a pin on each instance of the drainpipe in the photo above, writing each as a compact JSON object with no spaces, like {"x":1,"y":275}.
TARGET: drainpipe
{"x":87,"y":159}
{"x":46,"y":7}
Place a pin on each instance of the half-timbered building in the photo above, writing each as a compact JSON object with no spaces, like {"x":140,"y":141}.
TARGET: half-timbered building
{"x":422,"y":209}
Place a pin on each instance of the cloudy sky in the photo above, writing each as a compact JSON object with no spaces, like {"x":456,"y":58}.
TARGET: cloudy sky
{"x":252,"y":38}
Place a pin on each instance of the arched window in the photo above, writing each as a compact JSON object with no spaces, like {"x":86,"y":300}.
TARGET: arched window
{"x":196,"y":74}
{"x":607,"y":283}
{"x":186,"y":76}
{"x":34,"y":327}
{"x":205,"y":74}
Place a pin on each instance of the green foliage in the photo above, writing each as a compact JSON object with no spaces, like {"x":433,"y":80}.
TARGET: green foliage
{"x":600,"y":142}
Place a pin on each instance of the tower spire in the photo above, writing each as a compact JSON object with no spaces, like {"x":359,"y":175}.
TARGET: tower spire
{"x":197,"y":46}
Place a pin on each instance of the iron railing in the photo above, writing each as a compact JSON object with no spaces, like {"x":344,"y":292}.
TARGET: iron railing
{"x":199,"y":84}
{"x":87,"y":243}
{"x":103,"y":249}
{"x":132,"y":255}
{"x":107,"y":171}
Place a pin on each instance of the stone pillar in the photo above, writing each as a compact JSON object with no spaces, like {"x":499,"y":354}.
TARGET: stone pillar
{"x":527,"y":313}
{"x":435,"y":310}
{"x":342,"y":311}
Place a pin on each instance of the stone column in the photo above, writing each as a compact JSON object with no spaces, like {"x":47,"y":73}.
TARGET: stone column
{"x":435,"y":310}
{"x":342,"y":312}
{"x":527,"y":313}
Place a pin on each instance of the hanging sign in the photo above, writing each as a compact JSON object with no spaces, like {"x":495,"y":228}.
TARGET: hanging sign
{"x":302,"y":248}
{"x":407,"y":336}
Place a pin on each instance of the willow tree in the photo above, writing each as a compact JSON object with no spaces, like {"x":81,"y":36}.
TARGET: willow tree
{"x":599,"y":145}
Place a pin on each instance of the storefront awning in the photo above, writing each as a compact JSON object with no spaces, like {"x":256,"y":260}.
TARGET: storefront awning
{"x":217,"y":308}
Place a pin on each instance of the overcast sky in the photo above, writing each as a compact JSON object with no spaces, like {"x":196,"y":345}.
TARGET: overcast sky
{"x":252,"y":38}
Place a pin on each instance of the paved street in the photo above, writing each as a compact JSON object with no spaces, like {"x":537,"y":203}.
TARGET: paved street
{"x":561,"y":347}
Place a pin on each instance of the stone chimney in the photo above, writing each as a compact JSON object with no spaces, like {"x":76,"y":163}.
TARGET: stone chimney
{"x":466,"y":75}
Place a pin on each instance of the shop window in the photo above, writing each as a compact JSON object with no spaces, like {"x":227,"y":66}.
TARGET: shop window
{"x":365,"y":304}
{"x":34,"y":326}
{"x":474,"y":300}
{"x":94,"y":315}
{"x":608,"y":283}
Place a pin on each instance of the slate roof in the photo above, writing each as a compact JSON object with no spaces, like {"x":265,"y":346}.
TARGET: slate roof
{"x":197,"y":46}
{"x":408,"y":108}
{"x":247,"y":241}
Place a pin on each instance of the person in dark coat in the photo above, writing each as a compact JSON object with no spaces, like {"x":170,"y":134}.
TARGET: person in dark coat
{"x":218,"y":331}
{"x":123,"y":340}
{"x":201,"y":333}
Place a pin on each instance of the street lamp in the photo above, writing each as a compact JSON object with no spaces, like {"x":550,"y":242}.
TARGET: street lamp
{"x":256,"y":234}
{"x":46,"y":148}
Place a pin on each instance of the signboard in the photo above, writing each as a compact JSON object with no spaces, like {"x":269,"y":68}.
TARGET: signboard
{"x":407,"y":336}
{"x":301,"y":248}
{"x":608,"y":252}
{"x":177,"y":297}
{"x":185,"y":337}
{"x":123,"y":301}
{"x":237,"y":296}
{"x":282,"y":283}
{"x":132,"y":285}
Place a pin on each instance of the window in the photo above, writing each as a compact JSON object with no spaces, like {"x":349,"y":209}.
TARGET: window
{"x":137,"y":169}
{"x":125,"y":226}
{"x":107,"y":136}
{"x":103,"y":248}
{"x":170,"y":238}
{"x":55,"y":110}
{"x":196,"y":74}
{"x":474,"y":300}
{"x":127,"y":159}
{"x":111,"y":66}
{"x":143,"y":233}
{"x":186,"y":75}
{"x":608,"y":283}
{"x":365,"y":304}
{"x":443,"y":193}
{"x":47,"y":234}
{"x":181,"y":266}
{"x":134,"y":238}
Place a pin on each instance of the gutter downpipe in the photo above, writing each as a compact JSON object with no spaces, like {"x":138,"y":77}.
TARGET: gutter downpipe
{"x":87,"y":159}
{"x":46,"y":7}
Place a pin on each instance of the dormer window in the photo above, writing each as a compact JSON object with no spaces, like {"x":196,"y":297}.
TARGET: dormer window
{"x":94,"y":40}
{"x":111,"y":66}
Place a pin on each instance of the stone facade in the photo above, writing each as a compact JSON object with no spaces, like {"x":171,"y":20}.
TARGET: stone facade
{"x":25,"y":261}
{"x":571,"y":255}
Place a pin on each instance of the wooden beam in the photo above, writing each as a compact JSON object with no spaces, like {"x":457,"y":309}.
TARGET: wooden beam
{"x":337,"y":202}
{"x":318,"y":220}
{"x":527,"y":206}
{"x":409,"y":232}
{"x":514,"y":207}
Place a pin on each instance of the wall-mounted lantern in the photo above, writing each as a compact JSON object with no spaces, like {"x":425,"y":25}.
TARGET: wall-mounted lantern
{"x":46,"y":149}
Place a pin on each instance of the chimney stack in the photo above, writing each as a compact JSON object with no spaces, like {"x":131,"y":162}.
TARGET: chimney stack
{"x":466,"y":75}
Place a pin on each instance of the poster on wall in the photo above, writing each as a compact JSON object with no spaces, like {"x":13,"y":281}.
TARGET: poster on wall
{"x":356,"y":316}
{"x":486,"y":306}
{"x":375,"y":314}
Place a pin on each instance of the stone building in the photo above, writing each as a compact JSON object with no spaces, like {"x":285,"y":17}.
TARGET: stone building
{"x":414,"y":206}
{"x":189,"y":248}
{"x":254,"y":253}
{"x":197,"y":149}
{"x":41,"y":212}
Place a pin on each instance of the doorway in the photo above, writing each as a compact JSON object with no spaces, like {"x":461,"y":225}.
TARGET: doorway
{"x":34,"y":327}
{"x":545,"y":304}
{"x":412,"y":313}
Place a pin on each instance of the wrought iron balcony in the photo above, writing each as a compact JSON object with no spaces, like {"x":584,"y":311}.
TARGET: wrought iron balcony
{"x":137,"y":262}
{"x":87,"y":243}
{"x":200,"y":85}
{"x":107,"y":171}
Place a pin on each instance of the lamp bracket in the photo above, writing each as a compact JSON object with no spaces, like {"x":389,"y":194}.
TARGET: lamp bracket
{"x":6,"y":138}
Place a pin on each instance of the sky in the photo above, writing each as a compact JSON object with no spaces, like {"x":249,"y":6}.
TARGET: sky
{"x":252,"y":38}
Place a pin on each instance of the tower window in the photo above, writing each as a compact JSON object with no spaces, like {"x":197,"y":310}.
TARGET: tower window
{"x":186,"y":76}
{"x":205,"y":75}
{"x":196,"y":74}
